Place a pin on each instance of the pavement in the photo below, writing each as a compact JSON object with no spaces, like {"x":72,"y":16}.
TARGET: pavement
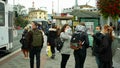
{"x":16,"y":60}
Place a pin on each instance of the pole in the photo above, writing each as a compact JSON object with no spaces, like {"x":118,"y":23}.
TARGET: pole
{"x":13,"y":2}
{"x":58,"y":6}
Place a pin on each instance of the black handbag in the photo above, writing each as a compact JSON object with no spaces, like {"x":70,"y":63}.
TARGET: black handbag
{"x":59,"y":43}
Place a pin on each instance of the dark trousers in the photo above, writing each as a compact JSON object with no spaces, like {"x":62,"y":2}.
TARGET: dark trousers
{"x":35,"y":51}
{"x":53,"y":49}
{"x":97,"y":60}
{"x":80,"y":56}
{"x":105,"y":64}
{"x":65,"y":58}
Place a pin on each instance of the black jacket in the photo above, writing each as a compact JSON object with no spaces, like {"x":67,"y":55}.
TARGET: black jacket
{"x":52,"y":35}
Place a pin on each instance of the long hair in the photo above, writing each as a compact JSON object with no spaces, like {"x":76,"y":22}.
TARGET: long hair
{"x":109,"y":30}
{"x":63,"y":28}
{"x":106,"y":27}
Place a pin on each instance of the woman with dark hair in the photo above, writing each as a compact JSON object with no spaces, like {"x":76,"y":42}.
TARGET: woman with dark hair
{"x":65,"y":35}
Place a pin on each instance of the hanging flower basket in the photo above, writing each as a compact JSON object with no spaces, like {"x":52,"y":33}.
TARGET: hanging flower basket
{"x":109,"y":8}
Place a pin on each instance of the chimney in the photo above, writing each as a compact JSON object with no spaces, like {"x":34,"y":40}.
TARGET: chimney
{"x":33,"y":4}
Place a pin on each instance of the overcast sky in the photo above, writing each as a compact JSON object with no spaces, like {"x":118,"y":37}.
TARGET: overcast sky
{"x":48,"y":3}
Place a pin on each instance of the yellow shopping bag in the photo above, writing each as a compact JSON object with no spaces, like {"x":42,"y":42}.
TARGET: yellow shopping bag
{"x":49,"y":53}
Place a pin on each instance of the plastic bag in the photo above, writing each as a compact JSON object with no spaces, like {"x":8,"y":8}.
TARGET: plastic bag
{"x":48,"y":50}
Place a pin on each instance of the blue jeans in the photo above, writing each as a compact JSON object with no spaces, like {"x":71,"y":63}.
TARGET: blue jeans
{"x":35,"y":51}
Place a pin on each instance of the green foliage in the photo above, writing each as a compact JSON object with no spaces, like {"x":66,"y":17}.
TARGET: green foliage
{"x":20,"y":21}
{"x":19,"y":14}
{"x":20,"y":9}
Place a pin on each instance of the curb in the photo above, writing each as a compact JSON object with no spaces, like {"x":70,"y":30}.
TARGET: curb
{"x":9,"y":55}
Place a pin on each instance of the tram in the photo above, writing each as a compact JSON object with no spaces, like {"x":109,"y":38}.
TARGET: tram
{"x":6,"y":26}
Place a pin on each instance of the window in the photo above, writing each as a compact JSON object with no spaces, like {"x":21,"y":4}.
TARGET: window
{"x":2,"y":15}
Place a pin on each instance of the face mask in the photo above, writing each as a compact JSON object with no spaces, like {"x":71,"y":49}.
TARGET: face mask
{"x":68,"y":31}
{"x":96,"y":31}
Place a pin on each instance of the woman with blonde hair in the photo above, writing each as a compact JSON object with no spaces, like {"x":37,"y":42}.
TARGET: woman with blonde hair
{"x":24,"y":47}
{"x":105,"y":54}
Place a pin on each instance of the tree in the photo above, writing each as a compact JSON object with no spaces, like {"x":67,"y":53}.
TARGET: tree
{"x":20,"y":9}
{"x":109,"y":8}
{"x":19,"y":13}
{"x":20,"y":21}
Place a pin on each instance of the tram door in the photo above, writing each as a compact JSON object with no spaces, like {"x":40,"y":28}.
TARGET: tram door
{"x":10,"y":25}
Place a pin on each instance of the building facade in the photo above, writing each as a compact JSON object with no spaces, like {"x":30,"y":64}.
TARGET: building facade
{"x":80,"y":7}
{"x":37,"y":14}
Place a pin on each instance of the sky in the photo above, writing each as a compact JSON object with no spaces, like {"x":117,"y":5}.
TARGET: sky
{"x":58,"y":5}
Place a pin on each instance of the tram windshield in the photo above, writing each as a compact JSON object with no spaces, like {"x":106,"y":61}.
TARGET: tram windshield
{"x":2,"y":14}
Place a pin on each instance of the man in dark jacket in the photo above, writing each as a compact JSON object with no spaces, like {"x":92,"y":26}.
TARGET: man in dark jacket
{"x":35,"y":43}
{"x":96,"y":41}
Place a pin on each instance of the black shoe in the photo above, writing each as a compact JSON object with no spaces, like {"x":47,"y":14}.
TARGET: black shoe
{"x":53,"y":57}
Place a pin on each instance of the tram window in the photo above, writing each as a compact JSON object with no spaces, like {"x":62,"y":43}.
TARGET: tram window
{"x":2,"y":22}
{"x":2,"y":16}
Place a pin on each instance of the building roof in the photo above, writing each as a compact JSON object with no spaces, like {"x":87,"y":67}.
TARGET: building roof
{"x":83,"y":14}
{"x":38,"y":10}
{"x":85,"y":6}
{"x":63,"y":17}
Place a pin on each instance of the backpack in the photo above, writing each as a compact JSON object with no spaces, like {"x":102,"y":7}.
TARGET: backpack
{"x":23,"y":38}
{"x":37,"y":38}
{"x":77,"y":40}
{"x":59,"y":44}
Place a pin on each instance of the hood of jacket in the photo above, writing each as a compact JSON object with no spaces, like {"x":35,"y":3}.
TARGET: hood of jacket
{"x":80,"y":28}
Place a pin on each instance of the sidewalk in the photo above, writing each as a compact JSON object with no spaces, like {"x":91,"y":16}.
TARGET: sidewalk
{"x":89,"y":63}
{"x":17,"y":61}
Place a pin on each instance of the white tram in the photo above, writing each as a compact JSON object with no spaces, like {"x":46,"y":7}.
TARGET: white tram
{"x":6,"y":26}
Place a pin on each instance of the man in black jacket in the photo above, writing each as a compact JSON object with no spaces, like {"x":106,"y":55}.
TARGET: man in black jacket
{"x":96,"y":41}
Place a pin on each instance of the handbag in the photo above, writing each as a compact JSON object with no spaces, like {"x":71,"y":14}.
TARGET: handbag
{"x":59,"y":44}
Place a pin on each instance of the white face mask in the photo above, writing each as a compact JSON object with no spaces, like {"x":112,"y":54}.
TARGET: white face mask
{"x":68,"y":31}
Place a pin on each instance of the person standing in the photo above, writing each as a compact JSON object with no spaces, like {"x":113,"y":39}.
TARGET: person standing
{"x":65,"y":35}
{"x":35,"y":42}
{"x":52,"y":35}
{"x":105,"y":54}
{"x":23,"y":41}
{"x":80,"y":51}
{"x":95,"y":44}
